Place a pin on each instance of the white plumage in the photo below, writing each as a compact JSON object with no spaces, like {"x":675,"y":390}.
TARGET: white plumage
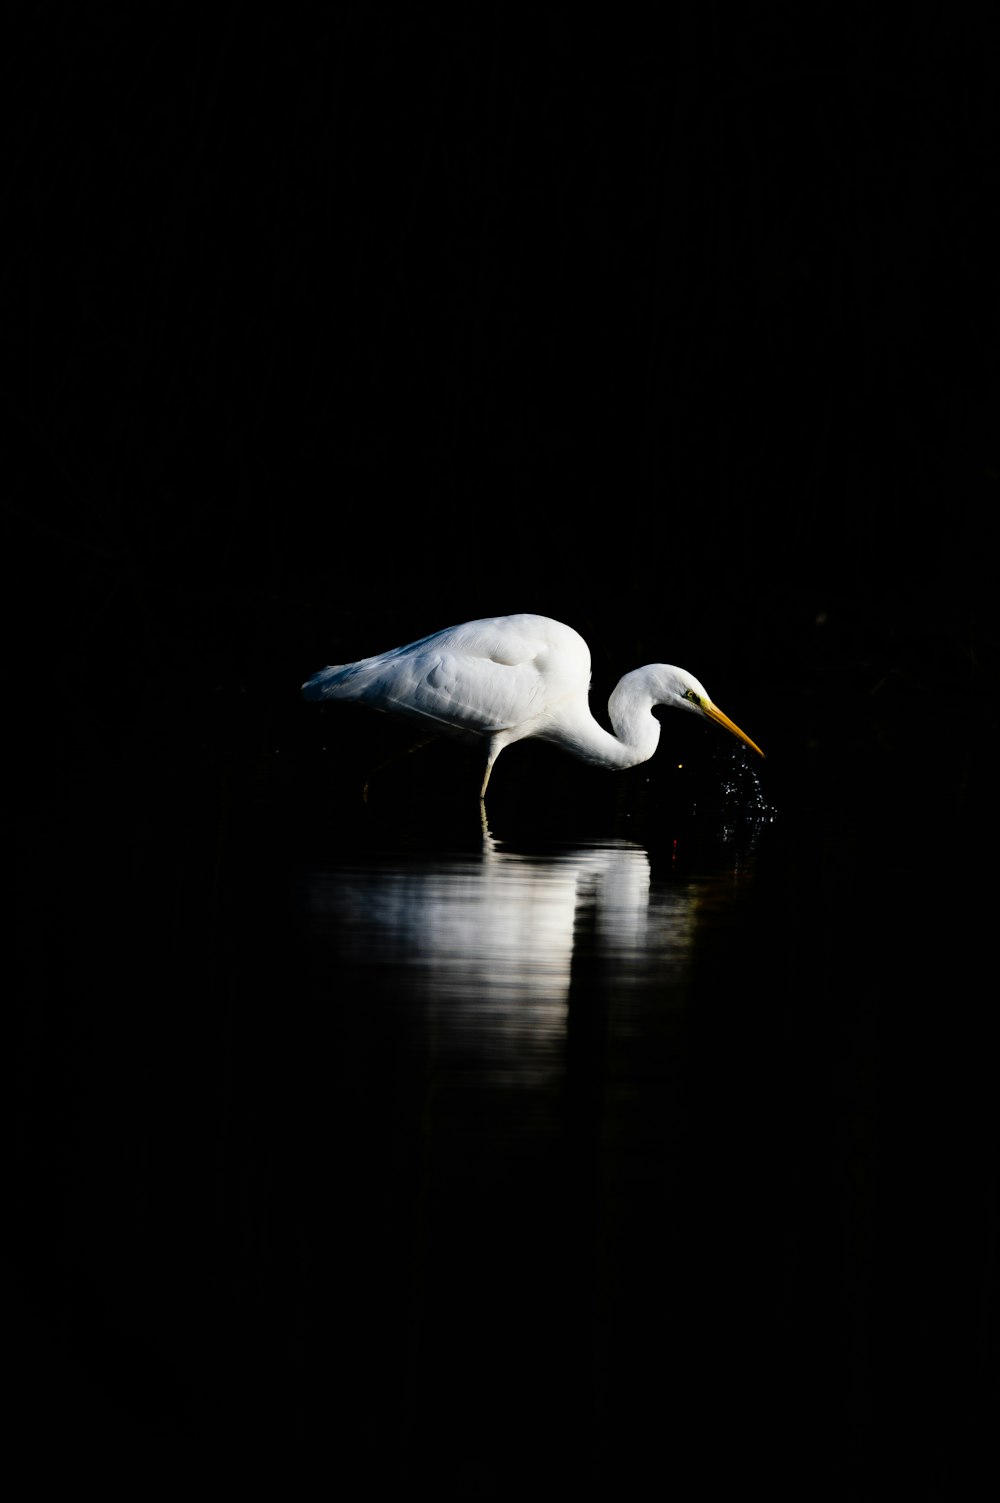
{"x":504,"y":678}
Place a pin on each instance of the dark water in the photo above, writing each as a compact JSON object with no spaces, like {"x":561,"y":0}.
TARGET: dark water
{"x":542,"y":1089}
{"x":512,"y":1156}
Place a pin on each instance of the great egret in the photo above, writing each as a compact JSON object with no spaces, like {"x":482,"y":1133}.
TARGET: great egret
{"x":507,"y":677}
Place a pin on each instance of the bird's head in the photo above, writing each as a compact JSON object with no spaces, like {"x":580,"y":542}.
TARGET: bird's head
{"x":681,"y":690}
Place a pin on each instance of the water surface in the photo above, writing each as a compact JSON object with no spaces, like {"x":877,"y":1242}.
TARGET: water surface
{"x":585,"y":1142}
{"x":525,"y":1033}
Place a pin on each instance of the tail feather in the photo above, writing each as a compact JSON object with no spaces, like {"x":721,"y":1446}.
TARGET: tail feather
{"x":327,"y":683}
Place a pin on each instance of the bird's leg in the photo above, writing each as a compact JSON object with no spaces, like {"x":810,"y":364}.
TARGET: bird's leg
{"x":396,"y":756}
{"x":486,"y":778}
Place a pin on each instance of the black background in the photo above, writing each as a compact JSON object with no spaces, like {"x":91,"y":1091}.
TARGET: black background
{"x":335,"y":328}
{"x":330,"y":326}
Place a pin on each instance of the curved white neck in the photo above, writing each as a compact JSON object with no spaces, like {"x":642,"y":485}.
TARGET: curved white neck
{"x":636,"y":729}
{"x":630,"y":710}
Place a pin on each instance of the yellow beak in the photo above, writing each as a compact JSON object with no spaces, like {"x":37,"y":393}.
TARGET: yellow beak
{"x":724,"y":720}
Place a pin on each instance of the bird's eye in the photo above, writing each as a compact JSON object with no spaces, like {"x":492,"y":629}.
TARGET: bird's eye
{"x":692,"y":696}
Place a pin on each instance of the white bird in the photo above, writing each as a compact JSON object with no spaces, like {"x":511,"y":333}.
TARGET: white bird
{"x":504,"y":678}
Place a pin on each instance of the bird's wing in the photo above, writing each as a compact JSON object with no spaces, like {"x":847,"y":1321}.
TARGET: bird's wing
{"x":481,"y":677}
{"x":469,"y":693}
{"x":497,"y":673}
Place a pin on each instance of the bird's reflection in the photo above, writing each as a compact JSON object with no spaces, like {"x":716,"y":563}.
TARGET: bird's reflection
{"x":488,"y":942}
